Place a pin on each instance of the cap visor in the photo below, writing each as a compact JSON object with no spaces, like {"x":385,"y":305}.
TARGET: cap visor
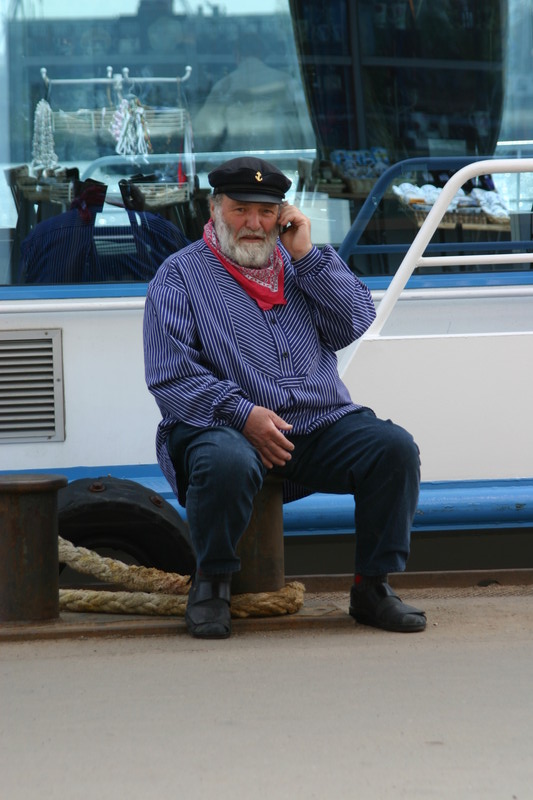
{"x":257,"y":197}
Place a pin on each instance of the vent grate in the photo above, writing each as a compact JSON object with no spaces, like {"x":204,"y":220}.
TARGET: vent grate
{"x":31,"y":386}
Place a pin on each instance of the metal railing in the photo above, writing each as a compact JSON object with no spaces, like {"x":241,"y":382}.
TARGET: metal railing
{"x":449,"y":164}
{"x":415,"y":258}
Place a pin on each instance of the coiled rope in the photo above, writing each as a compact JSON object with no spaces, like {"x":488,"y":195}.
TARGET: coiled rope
{"x":157,"y":593}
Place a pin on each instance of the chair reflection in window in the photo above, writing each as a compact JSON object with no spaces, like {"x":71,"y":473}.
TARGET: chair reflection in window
{"x":78,"y":247}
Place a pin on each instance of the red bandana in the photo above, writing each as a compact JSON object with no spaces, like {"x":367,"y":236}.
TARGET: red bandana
{"x":264,"y":285}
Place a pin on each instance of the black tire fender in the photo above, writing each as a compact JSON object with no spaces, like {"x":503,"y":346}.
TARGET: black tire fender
{"x":123,"y":515}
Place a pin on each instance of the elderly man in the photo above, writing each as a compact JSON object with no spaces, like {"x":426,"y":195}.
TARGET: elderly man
{"x":241,"y":330}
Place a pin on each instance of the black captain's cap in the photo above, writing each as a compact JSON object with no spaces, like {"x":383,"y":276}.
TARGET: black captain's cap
{"x":250,"y":180}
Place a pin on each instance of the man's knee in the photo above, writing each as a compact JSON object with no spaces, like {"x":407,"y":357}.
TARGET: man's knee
{"x":401,"y":448}
{"x":226,"y":453}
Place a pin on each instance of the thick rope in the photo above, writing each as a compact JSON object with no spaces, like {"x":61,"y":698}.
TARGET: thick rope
{"x":155,"y":592}
{"x":130,"y":576}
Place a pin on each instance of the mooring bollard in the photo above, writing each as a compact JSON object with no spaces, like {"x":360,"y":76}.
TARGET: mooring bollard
{"x":29,"y":565}
{"x":261,"y":547}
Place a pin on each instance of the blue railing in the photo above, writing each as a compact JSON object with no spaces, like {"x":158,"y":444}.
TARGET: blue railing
{"x":351,"y":245}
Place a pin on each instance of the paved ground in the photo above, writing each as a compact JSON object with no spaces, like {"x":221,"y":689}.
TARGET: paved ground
{"x":330,"y":711}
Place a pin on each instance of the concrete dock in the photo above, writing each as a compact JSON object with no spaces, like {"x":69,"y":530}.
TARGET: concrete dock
{"x":311,"y":707}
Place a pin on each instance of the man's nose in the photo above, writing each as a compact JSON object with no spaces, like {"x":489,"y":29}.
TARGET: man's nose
{"x":253,"y":219}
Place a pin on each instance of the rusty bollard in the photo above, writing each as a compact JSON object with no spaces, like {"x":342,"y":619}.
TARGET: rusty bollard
{"x":29,"y":566}
{"x":261,"y":547}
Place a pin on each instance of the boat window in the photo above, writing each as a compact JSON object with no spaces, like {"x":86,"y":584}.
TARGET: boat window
{"x":113,"y":116}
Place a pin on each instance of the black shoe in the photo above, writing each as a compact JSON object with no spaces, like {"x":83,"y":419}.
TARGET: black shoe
{"x":208,"y":614}
{"x":374,"y":602}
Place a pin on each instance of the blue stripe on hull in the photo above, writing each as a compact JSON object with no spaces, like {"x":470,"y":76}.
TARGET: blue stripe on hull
{"x":443,"y":505}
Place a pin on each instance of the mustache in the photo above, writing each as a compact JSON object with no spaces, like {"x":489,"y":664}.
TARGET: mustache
{"x":260,"y":234}
{"x":248,"y":232}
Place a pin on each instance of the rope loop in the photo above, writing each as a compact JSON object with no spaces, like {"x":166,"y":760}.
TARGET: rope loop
{"x":155,"y":592}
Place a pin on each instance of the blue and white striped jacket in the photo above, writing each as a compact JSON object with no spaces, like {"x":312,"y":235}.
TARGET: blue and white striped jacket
{"x":211,"y":353}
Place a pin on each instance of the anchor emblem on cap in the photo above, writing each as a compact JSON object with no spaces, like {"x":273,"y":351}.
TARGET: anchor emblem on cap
{"x":258,"y":177}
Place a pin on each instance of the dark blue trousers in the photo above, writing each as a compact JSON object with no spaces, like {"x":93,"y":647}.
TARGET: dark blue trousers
{"x":374,"y":460}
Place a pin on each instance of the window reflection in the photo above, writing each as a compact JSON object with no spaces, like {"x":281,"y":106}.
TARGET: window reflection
{"x":193,"y":86}
{"x":87,"y":244}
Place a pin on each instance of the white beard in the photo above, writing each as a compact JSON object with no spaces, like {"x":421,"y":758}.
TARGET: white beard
{"x":246,"y":254}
